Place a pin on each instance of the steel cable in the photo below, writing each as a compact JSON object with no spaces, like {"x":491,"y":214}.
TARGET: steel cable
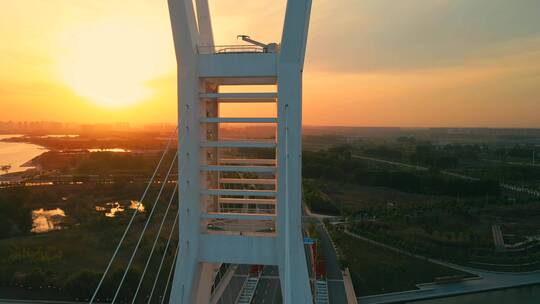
{"x":132,"y":218}
{"x":154,"y":244}
{"x":141,"y":235}
{"x":163,"y":258}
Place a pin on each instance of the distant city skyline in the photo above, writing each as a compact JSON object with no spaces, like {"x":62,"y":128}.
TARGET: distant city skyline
{"x":416,"y":63}
{"x":55,"y":127}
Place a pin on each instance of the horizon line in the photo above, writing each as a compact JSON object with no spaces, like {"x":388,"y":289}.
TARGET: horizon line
{"x":149,"y":124}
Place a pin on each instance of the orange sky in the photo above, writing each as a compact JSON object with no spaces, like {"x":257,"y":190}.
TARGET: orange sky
{"x":369,"y":62}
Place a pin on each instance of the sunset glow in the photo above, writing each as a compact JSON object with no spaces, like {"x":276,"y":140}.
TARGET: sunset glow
{"x":108,"y":63}
{"x":111,"y":72}
{"x":380,"y":63}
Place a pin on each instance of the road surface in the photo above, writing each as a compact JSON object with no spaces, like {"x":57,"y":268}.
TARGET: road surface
{"x":336,"y":288}
{"x":268,"y":290}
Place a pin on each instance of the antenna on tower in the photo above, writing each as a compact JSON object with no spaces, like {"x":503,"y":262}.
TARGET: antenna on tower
{"x":267,"y":48}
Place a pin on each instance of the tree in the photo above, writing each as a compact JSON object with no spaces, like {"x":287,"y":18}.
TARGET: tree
{"x":15,"y":217}
{"x":82,"y":283}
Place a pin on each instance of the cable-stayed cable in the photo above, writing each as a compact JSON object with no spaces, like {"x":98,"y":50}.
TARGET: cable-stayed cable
{"x":169,"y":276}
{"x":163,"y":258}
{"x":144,"y":229}
{"x":154,"y":244}
{"x":132,"y":217}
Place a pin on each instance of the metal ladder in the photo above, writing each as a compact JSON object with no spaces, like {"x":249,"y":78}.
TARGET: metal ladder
{"x":248,"y":290}
{"x":321,"y":292}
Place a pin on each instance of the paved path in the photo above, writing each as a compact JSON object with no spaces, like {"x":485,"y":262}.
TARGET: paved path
{"x":307,"y":214}
{"x":389,"y":162}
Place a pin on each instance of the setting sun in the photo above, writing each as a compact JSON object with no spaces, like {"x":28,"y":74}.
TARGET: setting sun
{"x":108,"y":64}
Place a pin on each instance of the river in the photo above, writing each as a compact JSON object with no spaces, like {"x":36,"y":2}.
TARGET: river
{"x":17,"y":154}
{"x":521,"y":295}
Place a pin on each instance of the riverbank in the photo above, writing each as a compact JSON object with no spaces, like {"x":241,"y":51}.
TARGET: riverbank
{"x":18,"y":155}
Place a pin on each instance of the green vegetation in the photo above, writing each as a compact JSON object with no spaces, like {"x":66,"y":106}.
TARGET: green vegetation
{"x":66,"y":264}
{"x":428,"y":212}
{"x":495,"y":161}
{"x":100,"y":163}
{"x":104,"y":139}
{"x":339,"y":164}
{"x":517,"y":151}
{"x":15,"y":218}
{"x":375,"y":269}
{"x":82,"y":283}
{"x":424,"y":211}
{"x":316,"y":200}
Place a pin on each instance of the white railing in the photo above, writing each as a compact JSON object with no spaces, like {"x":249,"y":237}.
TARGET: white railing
{"x":231,"y":48}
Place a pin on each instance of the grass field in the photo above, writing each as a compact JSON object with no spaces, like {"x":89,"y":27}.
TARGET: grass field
{"x":376,"y":270}
{"x":36,"y":266}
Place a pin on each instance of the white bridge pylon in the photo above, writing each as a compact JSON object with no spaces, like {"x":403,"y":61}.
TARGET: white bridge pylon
{"x":233,"y":208}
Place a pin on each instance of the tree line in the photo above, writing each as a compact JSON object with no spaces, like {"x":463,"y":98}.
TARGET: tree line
{"x":338,"y":164}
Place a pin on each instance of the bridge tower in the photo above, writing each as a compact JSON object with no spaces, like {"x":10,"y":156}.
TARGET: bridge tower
{"x":240,"y":198}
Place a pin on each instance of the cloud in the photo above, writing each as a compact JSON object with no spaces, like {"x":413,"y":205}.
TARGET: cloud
{"x":411,"y":34}
{"x":500,"y":92}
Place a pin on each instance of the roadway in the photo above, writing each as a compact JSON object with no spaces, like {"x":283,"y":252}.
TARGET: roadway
{"x":268,"y":290}
{"x":336,"y":287}
{"x":231,"y":292}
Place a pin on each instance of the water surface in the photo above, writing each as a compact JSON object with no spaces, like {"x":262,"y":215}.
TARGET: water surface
{"x":113,"y":209}
{"x":16,"y":154}
{"x":47,"y":220}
